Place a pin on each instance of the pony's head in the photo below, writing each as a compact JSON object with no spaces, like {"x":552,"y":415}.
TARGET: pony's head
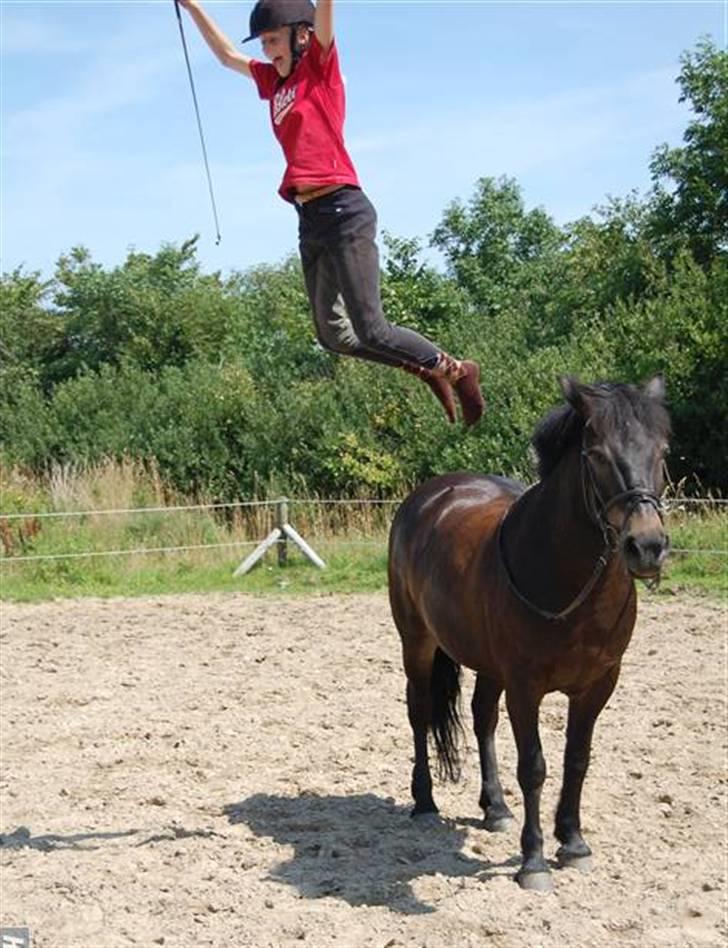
{"x":623,"y":432}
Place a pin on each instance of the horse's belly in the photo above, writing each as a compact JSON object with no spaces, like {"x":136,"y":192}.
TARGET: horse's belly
{"x":578,"y":674}
{"x":466,"y":628}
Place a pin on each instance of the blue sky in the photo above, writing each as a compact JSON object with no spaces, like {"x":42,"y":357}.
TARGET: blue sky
{"x":100,"y":146}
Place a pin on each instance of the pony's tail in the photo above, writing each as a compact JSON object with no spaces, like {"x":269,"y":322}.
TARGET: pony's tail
{"x":445,"y":724}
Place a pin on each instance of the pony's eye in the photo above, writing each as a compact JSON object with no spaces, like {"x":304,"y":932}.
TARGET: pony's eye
{"x":598,"y":454}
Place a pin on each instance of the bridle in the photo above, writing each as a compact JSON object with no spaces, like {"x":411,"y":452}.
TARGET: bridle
{"x":597,"y":509}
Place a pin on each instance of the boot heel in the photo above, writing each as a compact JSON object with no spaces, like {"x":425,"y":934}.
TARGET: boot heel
{"x":438,"y":386}
{"x":467,"y":388}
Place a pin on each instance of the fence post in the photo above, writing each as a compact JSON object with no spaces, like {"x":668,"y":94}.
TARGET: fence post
{"x":279,"y":535}
{"x":282,"y":515}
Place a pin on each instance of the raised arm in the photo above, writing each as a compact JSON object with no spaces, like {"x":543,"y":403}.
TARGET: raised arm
{"x":218,"y":42}
{"x":323,"y":23}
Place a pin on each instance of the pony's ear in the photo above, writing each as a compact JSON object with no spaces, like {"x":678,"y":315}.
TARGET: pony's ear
{"x":655,"y":388}
{"x":568,"y":385}
{"x":575,"y":393}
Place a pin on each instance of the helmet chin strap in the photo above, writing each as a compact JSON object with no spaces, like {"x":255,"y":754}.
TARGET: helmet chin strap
{"x":298,"y":48}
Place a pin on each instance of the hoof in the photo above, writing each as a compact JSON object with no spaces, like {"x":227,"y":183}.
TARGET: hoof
{"x":569,"y":860}
{"x":497,"y":824}
{"x":429,"y":818}
{"x":535,"y":881}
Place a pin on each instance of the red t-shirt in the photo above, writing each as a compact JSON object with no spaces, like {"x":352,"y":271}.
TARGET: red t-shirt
{"x":307,"y":110}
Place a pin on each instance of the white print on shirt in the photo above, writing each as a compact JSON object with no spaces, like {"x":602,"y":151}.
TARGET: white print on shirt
{"x":283,"y":103}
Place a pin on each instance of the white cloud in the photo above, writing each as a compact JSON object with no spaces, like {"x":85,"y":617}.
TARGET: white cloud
{"x":524,"y":133}
{"x":31,"y":35}
{"x":107,"y":87}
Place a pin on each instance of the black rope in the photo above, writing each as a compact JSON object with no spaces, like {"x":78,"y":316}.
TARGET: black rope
{"x":199,"y":123}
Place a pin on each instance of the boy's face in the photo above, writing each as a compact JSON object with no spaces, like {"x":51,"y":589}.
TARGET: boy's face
{"x":277,"y":48}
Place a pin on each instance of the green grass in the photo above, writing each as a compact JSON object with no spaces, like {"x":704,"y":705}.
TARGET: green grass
{"x":704,"y":571}
{"x":351,"y":537}
{"x":349,"y":568}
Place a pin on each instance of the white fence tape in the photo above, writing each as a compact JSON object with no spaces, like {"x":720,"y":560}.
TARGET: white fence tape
{"x":672,"y":506}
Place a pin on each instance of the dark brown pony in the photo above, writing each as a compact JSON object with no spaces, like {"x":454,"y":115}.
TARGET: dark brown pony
{"x":534,"y":590}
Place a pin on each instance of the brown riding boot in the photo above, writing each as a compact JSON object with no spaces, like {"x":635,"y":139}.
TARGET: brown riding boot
{"x":464,"y":378}
{"x":440,"y":387}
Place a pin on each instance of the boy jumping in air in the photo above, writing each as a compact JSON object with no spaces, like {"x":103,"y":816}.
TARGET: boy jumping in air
{"x":336,"y":221}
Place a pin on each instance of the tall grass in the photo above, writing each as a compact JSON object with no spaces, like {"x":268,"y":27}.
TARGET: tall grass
{"x":105,"y":498}
{"x":351,"y":537}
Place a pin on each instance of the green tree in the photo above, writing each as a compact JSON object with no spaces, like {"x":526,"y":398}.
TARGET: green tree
{"x":415,"y":294}
{"x":274,"y":334}
{"x":690,"y":199}
{"x":31,"y":334}
{"x":606,"y":259}
{"x":152,"y":311}
{"x":493,"y":244}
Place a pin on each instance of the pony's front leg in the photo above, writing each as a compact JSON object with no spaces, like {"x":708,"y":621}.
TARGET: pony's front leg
{"x":523,"y":704}
{"x":485,"y":719}
{"x":584,"y":709}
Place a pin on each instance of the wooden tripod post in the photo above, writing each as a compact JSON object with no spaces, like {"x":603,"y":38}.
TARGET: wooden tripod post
{"x":280,"y":534}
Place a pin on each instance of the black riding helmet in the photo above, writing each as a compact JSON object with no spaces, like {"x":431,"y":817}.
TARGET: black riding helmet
{"x":272,"y":14}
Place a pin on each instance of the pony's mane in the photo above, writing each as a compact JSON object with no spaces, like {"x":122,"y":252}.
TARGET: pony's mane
{"x":613,"y":404}
{"x":554,"y":435}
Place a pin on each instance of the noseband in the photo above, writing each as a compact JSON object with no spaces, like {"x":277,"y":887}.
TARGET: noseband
{"x":597,"y":509}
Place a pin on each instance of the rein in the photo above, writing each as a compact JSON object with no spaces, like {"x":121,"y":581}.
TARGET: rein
{"x":597,"y":510}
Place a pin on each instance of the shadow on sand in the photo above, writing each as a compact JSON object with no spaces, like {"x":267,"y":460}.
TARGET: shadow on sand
{"x":363,"y":849}
{"x":22,"y":838}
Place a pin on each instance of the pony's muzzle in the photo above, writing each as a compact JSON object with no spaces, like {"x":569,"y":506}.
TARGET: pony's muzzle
{"x":646,"y":545}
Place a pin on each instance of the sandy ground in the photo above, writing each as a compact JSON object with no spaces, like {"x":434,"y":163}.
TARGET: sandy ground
{"x":232,"y":771}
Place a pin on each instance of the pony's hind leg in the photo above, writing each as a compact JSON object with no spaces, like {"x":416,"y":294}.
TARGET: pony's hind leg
{"x":418,"y":655}
{"x":583,"y":712}
{"x":497,"y":816}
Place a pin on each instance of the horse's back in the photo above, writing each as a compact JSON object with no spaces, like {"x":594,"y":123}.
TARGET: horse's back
{"x":461,"y":494}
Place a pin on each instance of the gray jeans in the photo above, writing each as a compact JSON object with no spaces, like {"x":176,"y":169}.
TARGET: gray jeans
{"x":341,"y":267}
